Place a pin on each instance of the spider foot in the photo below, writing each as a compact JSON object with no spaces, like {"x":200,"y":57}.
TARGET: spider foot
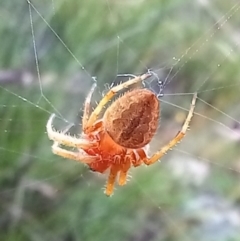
{"x":109,"y":190}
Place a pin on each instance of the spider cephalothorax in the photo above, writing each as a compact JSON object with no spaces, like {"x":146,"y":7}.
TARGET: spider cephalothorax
{"x":119,"y":139}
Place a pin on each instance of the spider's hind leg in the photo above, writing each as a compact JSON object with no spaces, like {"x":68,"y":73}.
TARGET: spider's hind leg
{"x":180,"y":135}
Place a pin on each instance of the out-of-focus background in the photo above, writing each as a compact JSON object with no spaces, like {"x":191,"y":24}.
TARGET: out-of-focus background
{"x":51,"y":52}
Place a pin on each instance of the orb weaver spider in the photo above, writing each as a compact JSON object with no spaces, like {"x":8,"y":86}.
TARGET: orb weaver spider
{"x":120,"y":138}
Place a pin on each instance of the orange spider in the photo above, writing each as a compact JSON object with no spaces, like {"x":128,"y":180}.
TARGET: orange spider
{"x":118,"y":140}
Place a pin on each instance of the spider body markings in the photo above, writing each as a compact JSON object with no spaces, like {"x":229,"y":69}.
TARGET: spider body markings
{"x":132,"y":120}
{"x":120,"y":139}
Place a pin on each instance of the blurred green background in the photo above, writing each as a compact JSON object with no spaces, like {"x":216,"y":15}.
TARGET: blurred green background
{"x":194,"y":193}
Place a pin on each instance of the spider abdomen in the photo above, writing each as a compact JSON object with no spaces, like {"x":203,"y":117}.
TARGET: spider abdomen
{"x":132,"y":120}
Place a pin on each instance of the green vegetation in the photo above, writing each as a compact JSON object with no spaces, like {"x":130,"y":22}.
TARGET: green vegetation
{"x":42,"y":196}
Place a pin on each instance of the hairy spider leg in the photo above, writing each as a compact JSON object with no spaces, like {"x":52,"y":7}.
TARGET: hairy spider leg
{"x":93,"y":117}
{"x":87,"y":104}
{"x":142,"y":156}
{"x":56,"y":149}
{"x":131,"y":159}
{"x":76,"y":156}
{"x":124,"y":170}
{"x":177,"y":138}
{"x":121,"y":166}
{"x":65,"y":139}
{"x":111,"y":179}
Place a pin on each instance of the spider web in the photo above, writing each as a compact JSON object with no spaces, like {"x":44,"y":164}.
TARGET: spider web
{"x":48,"y":64}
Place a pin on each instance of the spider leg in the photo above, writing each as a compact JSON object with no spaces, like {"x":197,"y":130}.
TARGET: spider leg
{"x":111,"y":180}
{"x":77,"y":156}
{"x":177,"y":138}
{"x":123,"y":171}
{"x":142,"y":156}
{"x":67,"y":140}
{"x":93,"y":117}
{"x":86,"y":111}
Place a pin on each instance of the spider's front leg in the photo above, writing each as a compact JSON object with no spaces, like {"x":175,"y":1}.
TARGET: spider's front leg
{"x":89,"y":123}
{"x":87,"y":103}
{"x":61,"y":138}
{"x":65,"y":139}
{"x":79,"y":156}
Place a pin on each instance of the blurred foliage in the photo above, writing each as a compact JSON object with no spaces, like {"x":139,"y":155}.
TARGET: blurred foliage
{"x":43,"y":197}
